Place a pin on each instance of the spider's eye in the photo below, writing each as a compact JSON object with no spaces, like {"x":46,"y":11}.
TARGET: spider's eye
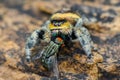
{"x":53,"y":21}
{"x":62,"y":21}
{"x":58,"y":22}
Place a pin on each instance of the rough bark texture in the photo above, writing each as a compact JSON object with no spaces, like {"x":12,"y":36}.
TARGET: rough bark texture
{"x":19,"y":18}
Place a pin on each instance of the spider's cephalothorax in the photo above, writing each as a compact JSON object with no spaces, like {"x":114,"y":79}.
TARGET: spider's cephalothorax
{"x":62,"y":27}
{"x":63,"y":22}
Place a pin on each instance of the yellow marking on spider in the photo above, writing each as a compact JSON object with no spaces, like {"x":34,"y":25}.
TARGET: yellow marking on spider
{"x":65,"y":25}
{"x":59,"y":16}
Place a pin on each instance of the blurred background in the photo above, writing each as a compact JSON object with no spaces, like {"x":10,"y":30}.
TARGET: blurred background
{"x":19,"y":18}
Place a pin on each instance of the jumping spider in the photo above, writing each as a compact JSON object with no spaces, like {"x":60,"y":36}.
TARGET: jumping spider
{"x":63,"y":26}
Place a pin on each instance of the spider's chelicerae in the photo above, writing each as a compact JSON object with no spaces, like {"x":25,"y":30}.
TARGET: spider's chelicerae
{"x":62,"y":27}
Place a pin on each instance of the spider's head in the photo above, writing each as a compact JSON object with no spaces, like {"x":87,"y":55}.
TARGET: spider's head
{"x":63,"y":19}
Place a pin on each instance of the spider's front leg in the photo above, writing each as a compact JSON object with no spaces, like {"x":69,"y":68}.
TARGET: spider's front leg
{"x":48,"y":53}
{"x":42,"y":34}
{"x":83,"y":36}
{"x":33,"y":41}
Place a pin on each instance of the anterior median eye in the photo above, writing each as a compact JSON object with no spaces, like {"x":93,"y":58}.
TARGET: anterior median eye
{"x":56,"y":24}
{"x":59,"y":23}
